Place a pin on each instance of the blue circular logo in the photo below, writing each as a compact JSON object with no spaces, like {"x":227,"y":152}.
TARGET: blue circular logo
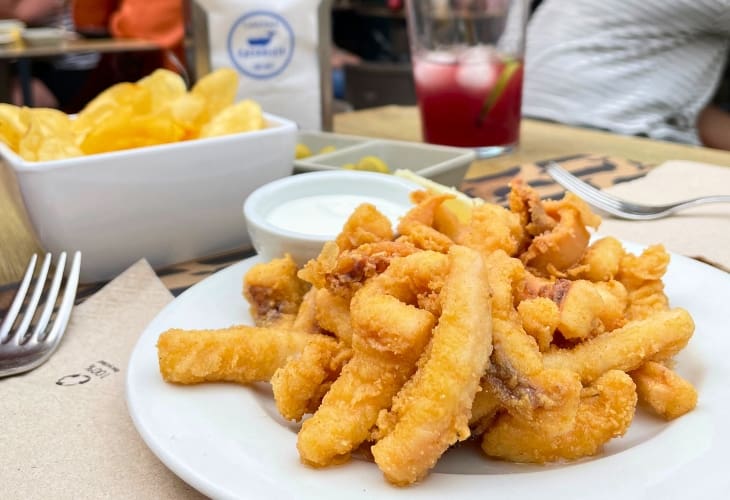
{"x":261,"y":44}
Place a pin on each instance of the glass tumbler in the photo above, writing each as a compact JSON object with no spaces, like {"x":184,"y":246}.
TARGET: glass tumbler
{"x":467,"y":58}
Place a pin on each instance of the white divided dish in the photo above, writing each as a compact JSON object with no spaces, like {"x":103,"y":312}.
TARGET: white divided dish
{"x":443,"y":164}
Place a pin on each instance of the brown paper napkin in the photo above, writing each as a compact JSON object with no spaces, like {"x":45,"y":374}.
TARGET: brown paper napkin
{"x":700,"y":232}
{"x":65,"y":429}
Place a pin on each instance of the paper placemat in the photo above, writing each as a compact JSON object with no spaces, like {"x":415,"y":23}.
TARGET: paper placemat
{"x":700,"y":232}
{"x":66,"y":432}
{"x":67,"y":423}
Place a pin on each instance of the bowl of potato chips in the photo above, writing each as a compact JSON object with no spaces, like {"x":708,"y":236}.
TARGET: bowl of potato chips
{"x":146,"y":170}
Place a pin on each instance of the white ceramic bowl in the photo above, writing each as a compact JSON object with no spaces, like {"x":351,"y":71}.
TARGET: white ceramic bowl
{"x":301,"y":237}
{"x":168,"y":203}
{"x":10,"y":30}
{"x":44,"y":36}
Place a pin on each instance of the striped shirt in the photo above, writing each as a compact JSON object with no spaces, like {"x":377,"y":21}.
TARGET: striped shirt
{"x":635,"y":67}
{"x":80,"y":61}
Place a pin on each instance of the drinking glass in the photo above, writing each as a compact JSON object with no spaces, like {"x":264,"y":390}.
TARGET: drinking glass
{"x":467,"y":58}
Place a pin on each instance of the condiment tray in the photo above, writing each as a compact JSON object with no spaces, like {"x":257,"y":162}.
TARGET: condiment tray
{"x":443,"y":164}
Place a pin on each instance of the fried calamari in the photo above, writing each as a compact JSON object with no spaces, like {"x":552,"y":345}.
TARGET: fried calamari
{"x":507,"y":326}
{"x":240,"y":354}
{"x":432,"y":410}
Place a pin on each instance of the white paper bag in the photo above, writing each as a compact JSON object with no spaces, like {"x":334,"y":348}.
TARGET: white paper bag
{"x":280,"y":49}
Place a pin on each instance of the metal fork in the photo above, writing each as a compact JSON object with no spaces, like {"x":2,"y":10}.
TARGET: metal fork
{"x":21,"y":351}
{"x":622,"y":208}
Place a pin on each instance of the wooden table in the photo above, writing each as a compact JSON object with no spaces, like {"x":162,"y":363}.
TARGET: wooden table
{"x":22,"y":54}
{"x":539,"y":141}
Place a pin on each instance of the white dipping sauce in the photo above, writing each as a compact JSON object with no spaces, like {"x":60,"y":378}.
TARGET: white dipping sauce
{"x":324,"y":215}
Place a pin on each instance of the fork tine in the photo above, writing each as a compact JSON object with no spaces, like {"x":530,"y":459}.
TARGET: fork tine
{"x":584,"y":190}
{"x":67,"y":302}
{"x":30,"y":308}
{"x":51,"y":297}
{"x":12,"y":313}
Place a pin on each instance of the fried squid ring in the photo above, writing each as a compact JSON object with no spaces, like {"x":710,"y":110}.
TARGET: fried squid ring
{"x":353,"y":267}
{"x":390,"y":332}
{"x":516,"y":372}
{"x":540,"y":317}
{"x":332,"y":314}
{"x":432,"y":410}
{"x":306,"y":318}
{"x":556,"y":250}
{"x":605,"y":411}
{"x":274,"y":291}
{"x":657,"y":337}
{"x":302,"y":382}
{"x":484,"y":408}
{"x":492,"y":228}
{"x":416,"y":227}
{"x":241,"y":354}
{"x":365,"y":225}
{"x":667,"y":394}
{"x":555,"y":420}
{"x":586,"y":308}
{"x":642,"y":277}
{"x":600,"y":262}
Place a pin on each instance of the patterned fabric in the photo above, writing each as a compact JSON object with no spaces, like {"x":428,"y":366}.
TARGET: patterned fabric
{"x":599,"y":171}
{"x":635,"y":67}
{"x":82,"y":61}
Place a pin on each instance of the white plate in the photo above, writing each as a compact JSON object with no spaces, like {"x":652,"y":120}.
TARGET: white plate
{"x":45,"y":36}
{"x":228,"y":441}
{"x":10,"y":30}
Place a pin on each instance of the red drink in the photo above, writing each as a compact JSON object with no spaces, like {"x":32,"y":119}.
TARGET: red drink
{"x":473,"y":100}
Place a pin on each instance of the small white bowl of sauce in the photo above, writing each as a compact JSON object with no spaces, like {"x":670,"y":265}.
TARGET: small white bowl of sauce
{"x":299,"y":214}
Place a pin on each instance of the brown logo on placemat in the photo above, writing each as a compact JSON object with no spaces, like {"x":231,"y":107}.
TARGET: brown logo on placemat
{"x":99,"y":369}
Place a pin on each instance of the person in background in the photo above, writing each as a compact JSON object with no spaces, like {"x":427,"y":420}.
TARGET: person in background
{"x":31,"y":12}
{"x":634,"y":67}
{"x":340,"y":58}
{"x":159,"y":21}
{"x":54,"y":82}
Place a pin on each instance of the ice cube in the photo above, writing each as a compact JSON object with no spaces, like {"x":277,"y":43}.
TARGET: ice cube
{"x":477,"y":77}
{"x":479,"y":54}
{"x":434,"y":71}
{"x":439,"y":57}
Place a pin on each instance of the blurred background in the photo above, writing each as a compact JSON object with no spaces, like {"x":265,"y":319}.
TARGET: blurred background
{"x":370,"y":61}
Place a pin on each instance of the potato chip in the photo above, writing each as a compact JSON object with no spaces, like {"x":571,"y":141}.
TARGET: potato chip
{"x":189,"y":111}
{"x":12,"y":126}
{"x":49,"y":136}
{"x":219,"y":90}
{"x":125,"y":94}
{"x":165,"y":87}
{"x":244,"y":116}
{"x":126,"y":131}
{"x":157,"y":109}
{"x":131,"y":97}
